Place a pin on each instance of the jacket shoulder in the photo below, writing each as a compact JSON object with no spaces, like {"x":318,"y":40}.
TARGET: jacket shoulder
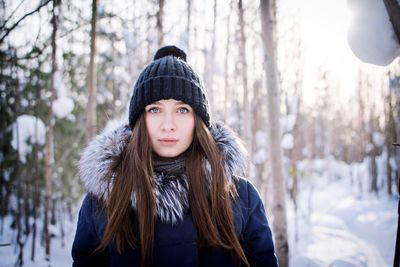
{"x":248,"y":194}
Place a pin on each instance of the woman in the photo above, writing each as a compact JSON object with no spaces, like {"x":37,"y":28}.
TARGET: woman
{"x":166,"y":190}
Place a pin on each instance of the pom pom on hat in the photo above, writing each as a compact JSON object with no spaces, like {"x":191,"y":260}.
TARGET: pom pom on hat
{"x":170,"y":50}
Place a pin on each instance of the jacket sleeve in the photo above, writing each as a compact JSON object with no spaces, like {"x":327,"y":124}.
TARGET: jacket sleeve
{"x":257,"y":237}
{"x":87,"y":236}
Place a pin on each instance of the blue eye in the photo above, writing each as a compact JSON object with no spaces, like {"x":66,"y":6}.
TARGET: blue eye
{"x":183,"y":110}
{"x":153,"y":110}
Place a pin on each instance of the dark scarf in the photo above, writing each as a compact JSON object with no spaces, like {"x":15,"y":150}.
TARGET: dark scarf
{"x":171,"y":190}
{"x":176,"y":167}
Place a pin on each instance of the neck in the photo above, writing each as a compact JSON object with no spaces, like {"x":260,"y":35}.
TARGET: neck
{"x":157,"y":158}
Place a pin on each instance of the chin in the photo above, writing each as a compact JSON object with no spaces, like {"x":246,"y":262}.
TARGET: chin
{"x":168,"y":154}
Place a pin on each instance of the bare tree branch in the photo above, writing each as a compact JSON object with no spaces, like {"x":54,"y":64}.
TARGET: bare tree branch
{"x":8,"y":30}
{"x":11,"y":15}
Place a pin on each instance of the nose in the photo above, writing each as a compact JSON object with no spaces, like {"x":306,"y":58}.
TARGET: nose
{"x":168,"y":123}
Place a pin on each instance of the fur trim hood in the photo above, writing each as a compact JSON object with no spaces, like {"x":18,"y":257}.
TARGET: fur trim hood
{"x":171,"y":191}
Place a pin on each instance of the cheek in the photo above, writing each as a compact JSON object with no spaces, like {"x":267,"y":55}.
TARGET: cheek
{"x":190,"y":129}
{"x":150,"y":125}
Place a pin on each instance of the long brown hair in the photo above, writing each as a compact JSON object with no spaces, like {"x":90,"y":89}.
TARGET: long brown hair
{"x":209,"y":194}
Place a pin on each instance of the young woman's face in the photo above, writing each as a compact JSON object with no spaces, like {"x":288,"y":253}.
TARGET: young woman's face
{"x":170,"y":124}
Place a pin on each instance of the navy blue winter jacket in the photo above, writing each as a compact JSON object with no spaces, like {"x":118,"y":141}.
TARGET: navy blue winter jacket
{"x":175,"y":242}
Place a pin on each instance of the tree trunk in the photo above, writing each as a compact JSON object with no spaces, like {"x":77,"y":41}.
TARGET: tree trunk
{"x":149,"y":28}
{"x":160,"y":15}
{"x":373,"y":154}
{"x":18,"y":215}
{"x":36,"y":190}
{"x":373,"y":173}
{"x":258,"y":124}
{"x":389,"y":140}
{"x":246,"y":129}
{"x":49,"y":158}
{"x":211,"y":61}
{"x":91,"y":122}
{"x":226,"y":62}
{"x":396,"y":117}
{"x":324,"y":134}
{"x":295,"y":154}
{"x":189,"y":21}
{"x":361,"y":122}
{"x":275,"y":151}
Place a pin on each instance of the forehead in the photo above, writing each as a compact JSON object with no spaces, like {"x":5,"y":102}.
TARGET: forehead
{"x":168,"y":102}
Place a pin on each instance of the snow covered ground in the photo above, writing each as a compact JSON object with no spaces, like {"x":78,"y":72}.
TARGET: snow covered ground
{"x":60,"y":247}
{"x":338,"y":226}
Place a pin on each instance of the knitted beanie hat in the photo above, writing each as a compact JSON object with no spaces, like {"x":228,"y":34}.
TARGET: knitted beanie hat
{"x":169,"y":76}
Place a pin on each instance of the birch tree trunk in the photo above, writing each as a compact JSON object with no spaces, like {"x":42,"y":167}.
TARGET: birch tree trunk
{"x":275,"y":153}
{"x":149,"y":28}
{"x":36,"y":193}
{"x":258,"y":123}
{"x":396,"y":122}
{"x":227,"y":97}
{"x":91,"y":122}
{"x":373,"y":154}
{"x":209,"y":58}
{"x":389,"y":140}
{"x":160,"y":15}
{"x":295,"y":153}
{"x":362,"y":142}
{"x":188,"y":25}
{"x":246,"y":128}
{"x":18,"y":215}
{"x":49,"y":158}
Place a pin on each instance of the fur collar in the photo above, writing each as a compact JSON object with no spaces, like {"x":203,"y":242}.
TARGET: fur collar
{"x":171,"y":191}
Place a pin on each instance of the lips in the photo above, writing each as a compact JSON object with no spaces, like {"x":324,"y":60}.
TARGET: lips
{"x":168,"y":141}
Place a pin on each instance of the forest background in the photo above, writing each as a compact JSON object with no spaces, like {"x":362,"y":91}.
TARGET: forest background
{"x":280,"y":73}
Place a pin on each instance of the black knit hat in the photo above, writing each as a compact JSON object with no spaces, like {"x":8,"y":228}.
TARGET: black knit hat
{"x":169,"y":76}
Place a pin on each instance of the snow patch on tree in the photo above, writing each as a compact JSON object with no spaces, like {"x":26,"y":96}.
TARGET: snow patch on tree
{"x":261,"y":138}
{"x":62,"y":107}
{"x":378,"y":139}
{"x":26,"y":131}
{"x":287,"y":141}
{"x":288,"y":123}
{"x":260,"y":156}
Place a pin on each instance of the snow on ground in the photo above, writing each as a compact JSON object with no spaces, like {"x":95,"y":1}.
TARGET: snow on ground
{"x":60,"y":247}
{"x":340,"y":227}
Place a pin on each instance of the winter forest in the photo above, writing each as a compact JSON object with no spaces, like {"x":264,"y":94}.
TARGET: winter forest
{"x":312,"y":87}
